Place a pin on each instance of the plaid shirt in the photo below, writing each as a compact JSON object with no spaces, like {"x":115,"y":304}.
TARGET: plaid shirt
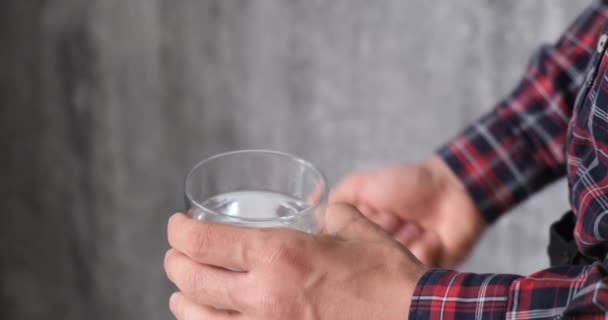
{"x":554,"y":123}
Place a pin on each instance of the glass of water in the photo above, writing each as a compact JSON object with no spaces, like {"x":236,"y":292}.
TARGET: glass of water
{"x":257,"y":188}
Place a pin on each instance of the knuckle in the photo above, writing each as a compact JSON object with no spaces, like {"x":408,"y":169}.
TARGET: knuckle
{"x":283,"y":253}
{"x":193,"y":282}
{"x":168,"y":265}
{"x":167,"y":260}
{"x":177,"y":306}
{"x":291,"y":258}
{"x":340,"y":206}
{"x":199,"y":239}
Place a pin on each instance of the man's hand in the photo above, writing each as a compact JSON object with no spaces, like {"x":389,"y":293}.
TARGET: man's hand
{"x":354,"y":271}
{"x":423,"y":206}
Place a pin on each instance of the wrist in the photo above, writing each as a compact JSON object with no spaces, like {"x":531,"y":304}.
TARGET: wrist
{"x":450,"y":187}
{"x":444,"y":178}
{"x":457,"y":211}
{"x":411,"y":278}
{"x":394,"y":285}
{"x":413,"y":282}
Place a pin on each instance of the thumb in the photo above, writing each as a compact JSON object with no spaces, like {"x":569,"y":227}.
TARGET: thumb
{"x":345,"y":221}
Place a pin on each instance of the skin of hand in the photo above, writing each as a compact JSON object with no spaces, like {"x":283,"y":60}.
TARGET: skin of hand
{"x":423,"y":205}
{"x":352,"y":271}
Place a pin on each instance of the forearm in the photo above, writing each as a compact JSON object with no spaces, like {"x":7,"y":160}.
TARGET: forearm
{"x":569,"y":291}
{"x":518,"y":148}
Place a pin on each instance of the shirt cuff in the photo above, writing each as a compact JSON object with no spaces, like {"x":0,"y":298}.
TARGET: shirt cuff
{"x":445,"y":294}
{"x":484,"y":175}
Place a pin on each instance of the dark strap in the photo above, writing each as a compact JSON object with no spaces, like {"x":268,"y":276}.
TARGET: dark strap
{"x":562,"y":247}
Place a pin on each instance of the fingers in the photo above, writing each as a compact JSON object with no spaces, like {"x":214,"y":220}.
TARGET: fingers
{"x":345,"y":221}
{"x":204,"y":284}
{"x":317,"y":194}
{"x":424,"y":244}
{"x":216,"y":244}
{"x":185,"y":309}
{"x":387,"y":221}
{"x":407,"y":233}
{"x":427,"y":248}
{"x":348,"y":190}
{"x":368,"y":198}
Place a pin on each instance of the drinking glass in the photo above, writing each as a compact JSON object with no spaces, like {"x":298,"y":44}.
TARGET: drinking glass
{"x":257,"y":188}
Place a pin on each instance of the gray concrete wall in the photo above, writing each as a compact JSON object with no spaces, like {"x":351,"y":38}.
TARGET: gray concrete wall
{"x":106,"y":103}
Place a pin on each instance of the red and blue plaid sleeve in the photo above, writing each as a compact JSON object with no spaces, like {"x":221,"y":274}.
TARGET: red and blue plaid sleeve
{"x":509,"y":154}
{"x":518,"y":148}
{"x":562,"y":292}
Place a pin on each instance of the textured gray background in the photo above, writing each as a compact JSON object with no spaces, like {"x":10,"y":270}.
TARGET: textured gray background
{"x":106,"y":103}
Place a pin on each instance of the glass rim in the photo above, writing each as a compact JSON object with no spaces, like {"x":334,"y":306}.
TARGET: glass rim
{"x":281,"y":154}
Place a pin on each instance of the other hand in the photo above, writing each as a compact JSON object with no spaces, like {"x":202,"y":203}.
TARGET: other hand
{"x":423,"y":205}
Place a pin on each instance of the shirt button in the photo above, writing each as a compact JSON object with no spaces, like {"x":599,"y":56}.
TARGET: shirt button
{"x":601,"y":44}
